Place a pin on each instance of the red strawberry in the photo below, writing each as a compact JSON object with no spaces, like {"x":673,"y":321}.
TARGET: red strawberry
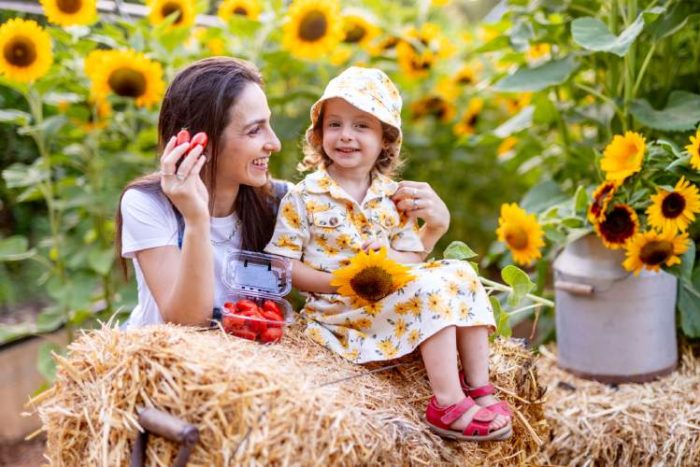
{"x":269,"y":305}
{"x":244,"y":333}
{"x":183,"y":136}
{"x":246,"y":305}
{"x":273,"y":319}
{"x":271,"y":335}
{"x":232,"y":321}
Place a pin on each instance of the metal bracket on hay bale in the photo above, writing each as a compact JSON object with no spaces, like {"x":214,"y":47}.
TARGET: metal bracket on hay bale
{"x":169,"y":427}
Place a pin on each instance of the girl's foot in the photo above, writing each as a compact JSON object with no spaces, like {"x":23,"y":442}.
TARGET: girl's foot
{"x":484,"y":397}
{"x":466,"y":420}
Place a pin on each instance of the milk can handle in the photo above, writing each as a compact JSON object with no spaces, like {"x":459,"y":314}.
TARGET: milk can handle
{"x":574,"y":288}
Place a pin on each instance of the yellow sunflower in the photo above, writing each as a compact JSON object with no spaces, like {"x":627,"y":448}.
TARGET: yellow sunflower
{"x":674,"y":210}
{"x":434,"y":106}
{"x":467,"y":124}
{"x":650,"y":250}
{"x":161,"y":9}
{"x":537,"y":52}
{"x":26,"y":50}
{"x":694,"y":150}
{"x":623,"y":156}
{"x":358,"y":29}
{"x":506,"y":146}
{"x":248,"y":8}
{"x":601,"y":198}
{"x":313,"y":28}
{"x":521,"y":233}
{"x":618,"y":226}
{"x":70,"y":12}
{"x":371,"y":276}
{"x":125,"y":73}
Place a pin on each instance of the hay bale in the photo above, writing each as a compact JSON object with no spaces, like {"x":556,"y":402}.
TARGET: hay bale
{"x":291,"y":403}
{"x":655,"y":423}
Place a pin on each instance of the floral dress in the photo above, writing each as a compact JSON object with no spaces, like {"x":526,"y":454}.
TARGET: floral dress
{"x":321,"y":225}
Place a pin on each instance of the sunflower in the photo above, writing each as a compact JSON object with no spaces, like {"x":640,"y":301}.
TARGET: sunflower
{"x":623,"y":156}
{"x":514,"y":104}
{"x":313,"y":28}
{"x":435,"y":106}
{"x":358,"y":29}
{"x":601,"y":198}
{"x":371,"y":276}
{"x":70,"y":12}
{"x":26,"y":50}
{"x":125,"y":73}
{"x":521,"y":233}
{"x":506,"y":146}
{"x":537,"y":52}
{"x":674,"y":210}
{"x":247,"y":8}
{"x":467,"y":124}
{"x":161,"y":9}
{"x":649,"y":250}
{"x":618,"y":226}
{"x":694,"y":150}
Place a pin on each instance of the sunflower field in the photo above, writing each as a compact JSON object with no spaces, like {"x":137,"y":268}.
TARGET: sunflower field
{"x":536,"y":121}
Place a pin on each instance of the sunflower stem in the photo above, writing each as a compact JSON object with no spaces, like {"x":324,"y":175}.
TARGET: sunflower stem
{"x":504,"y":288}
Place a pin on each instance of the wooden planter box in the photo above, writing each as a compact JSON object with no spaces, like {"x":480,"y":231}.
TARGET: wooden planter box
{"x":20,"y":379}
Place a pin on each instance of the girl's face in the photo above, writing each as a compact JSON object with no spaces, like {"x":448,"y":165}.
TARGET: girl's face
{"x":352,"y":139}
{"x":247,"y":141}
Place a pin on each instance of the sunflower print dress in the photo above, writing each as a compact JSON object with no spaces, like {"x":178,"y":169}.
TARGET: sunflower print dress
{"x":321,"y":225}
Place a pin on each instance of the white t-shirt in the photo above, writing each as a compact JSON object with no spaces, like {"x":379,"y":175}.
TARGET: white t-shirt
{"x":148,"y":222}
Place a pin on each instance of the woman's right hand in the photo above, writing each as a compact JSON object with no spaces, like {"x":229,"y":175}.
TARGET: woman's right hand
{"x":184,"y":187}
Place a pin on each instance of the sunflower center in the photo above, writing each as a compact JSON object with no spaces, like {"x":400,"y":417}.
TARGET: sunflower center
{"x":355,"y":34}
{"x":170,"y":8}
{"x":673,"y":205}
{"x":20,"y":51}
{"x":372,"y":283}
{"x":517,"y":238}
{"x":69,"y":6}
{"x":618,"y":226}
{"x":313,"y":27}
{"x":127,"y":82}
{"x":239,"y":10}
{"x":656,"y":252}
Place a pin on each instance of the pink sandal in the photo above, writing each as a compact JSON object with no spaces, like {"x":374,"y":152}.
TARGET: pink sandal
{"x":500,"y":407}
{"x":440,"y":418}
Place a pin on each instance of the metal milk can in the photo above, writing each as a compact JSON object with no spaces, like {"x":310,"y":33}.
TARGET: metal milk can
{"x":613,"y":326}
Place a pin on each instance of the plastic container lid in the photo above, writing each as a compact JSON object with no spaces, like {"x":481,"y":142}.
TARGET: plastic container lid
{"x":258,"y":273}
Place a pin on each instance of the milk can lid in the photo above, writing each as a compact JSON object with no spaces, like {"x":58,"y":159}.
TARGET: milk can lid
{"x":587,"y":257}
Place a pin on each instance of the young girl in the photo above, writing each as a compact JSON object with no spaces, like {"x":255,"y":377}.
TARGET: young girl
{"x":345,"y":206}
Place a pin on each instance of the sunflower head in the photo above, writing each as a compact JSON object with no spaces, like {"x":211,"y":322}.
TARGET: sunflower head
{"x":371,"y":276}
{"x":617,"y":226}
{"x":70,"y":12}
{"x":125,"y":73}
{"x":651,"y":250}
{"x":674,"y":210}
{"x":521,"y":233}
{"x":246,"y":8}
{"x":26,"y":50}
{"x":467,"y":124}
{"x":182,"y":9}
{"x":358,"y":30}
{"x":623,"y":156}
{"x":434,"y":106}
{"x":601,"y":198}
{"x":313,"y":29}
{"x":694,"y":150}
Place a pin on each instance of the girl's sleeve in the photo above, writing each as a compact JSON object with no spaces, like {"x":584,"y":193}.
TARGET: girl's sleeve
{"x":148,"y":221}
{"x":291,"y":233}
{"x":404,"y":237}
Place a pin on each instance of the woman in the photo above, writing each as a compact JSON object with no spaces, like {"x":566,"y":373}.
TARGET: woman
{"x":176,"y":225}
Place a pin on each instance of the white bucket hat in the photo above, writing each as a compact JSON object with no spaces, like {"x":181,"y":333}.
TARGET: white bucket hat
{"x":368,"y":89}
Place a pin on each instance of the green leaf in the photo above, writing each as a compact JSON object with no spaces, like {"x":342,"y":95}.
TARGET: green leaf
{"x":592,"y":34}
{"x":501,"y":317}
{"x":535,"y":79}
{"x":688,"y":262}
{"x":542,"y":196}
{"x":474,"y":266}
{"x":516,"y":123}
{"x":101,"y":260}
{"x":520,"y":36}
{"x":15,"y":248}
{"x":689,"y":307}
{"x":458,"y":250}
{"x":15,"y":116}
{"x":682,"y":112}
{"x":19,"y":175}
{"x":580,"y":200}
{"x":45,"y":361}
{"x":50,"y":319}
{"x":13,"y":332}
{"x":545,"y":110}
{"x":519,"y":281}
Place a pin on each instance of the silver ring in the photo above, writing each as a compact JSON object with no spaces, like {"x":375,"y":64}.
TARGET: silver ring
{"x":415,"y":204}
{"x":414,"y":192}
{"x":180,"y":177}
{"x":163,"y":173}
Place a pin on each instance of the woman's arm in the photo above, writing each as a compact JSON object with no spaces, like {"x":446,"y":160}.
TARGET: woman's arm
{"x":308,"y":279}
{"x":419,"y":201}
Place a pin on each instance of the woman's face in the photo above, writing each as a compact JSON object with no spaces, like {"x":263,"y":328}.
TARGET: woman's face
{"x":247,"y":141}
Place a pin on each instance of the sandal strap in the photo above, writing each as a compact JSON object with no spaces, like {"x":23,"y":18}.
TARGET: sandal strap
{"x":455,"y":411}
{"x":480,"y":424}
{"x":481,"y":391}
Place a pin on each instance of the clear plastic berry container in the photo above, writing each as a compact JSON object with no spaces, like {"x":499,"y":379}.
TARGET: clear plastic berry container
{"x":254,"y":307}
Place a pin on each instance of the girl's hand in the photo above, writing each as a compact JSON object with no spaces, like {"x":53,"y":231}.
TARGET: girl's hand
{"x":184,"y":187}
{"x":419,"y":201}
{"x":372,"y":245}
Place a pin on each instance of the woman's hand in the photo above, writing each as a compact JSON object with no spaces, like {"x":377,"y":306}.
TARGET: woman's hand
{"x":419,"y":201}
{"x":184,"y":187}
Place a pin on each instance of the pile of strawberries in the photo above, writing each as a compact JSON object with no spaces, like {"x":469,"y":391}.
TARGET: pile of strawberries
{"x":248,"y":320}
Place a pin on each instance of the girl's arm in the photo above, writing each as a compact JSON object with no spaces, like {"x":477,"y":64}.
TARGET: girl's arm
{"x":406,"y":257}
{"x":308,"y":279}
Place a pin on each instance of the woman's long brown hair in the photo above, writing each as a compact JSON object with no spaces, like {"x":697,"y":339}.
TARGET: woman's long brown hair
{"x":199,"y":99}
